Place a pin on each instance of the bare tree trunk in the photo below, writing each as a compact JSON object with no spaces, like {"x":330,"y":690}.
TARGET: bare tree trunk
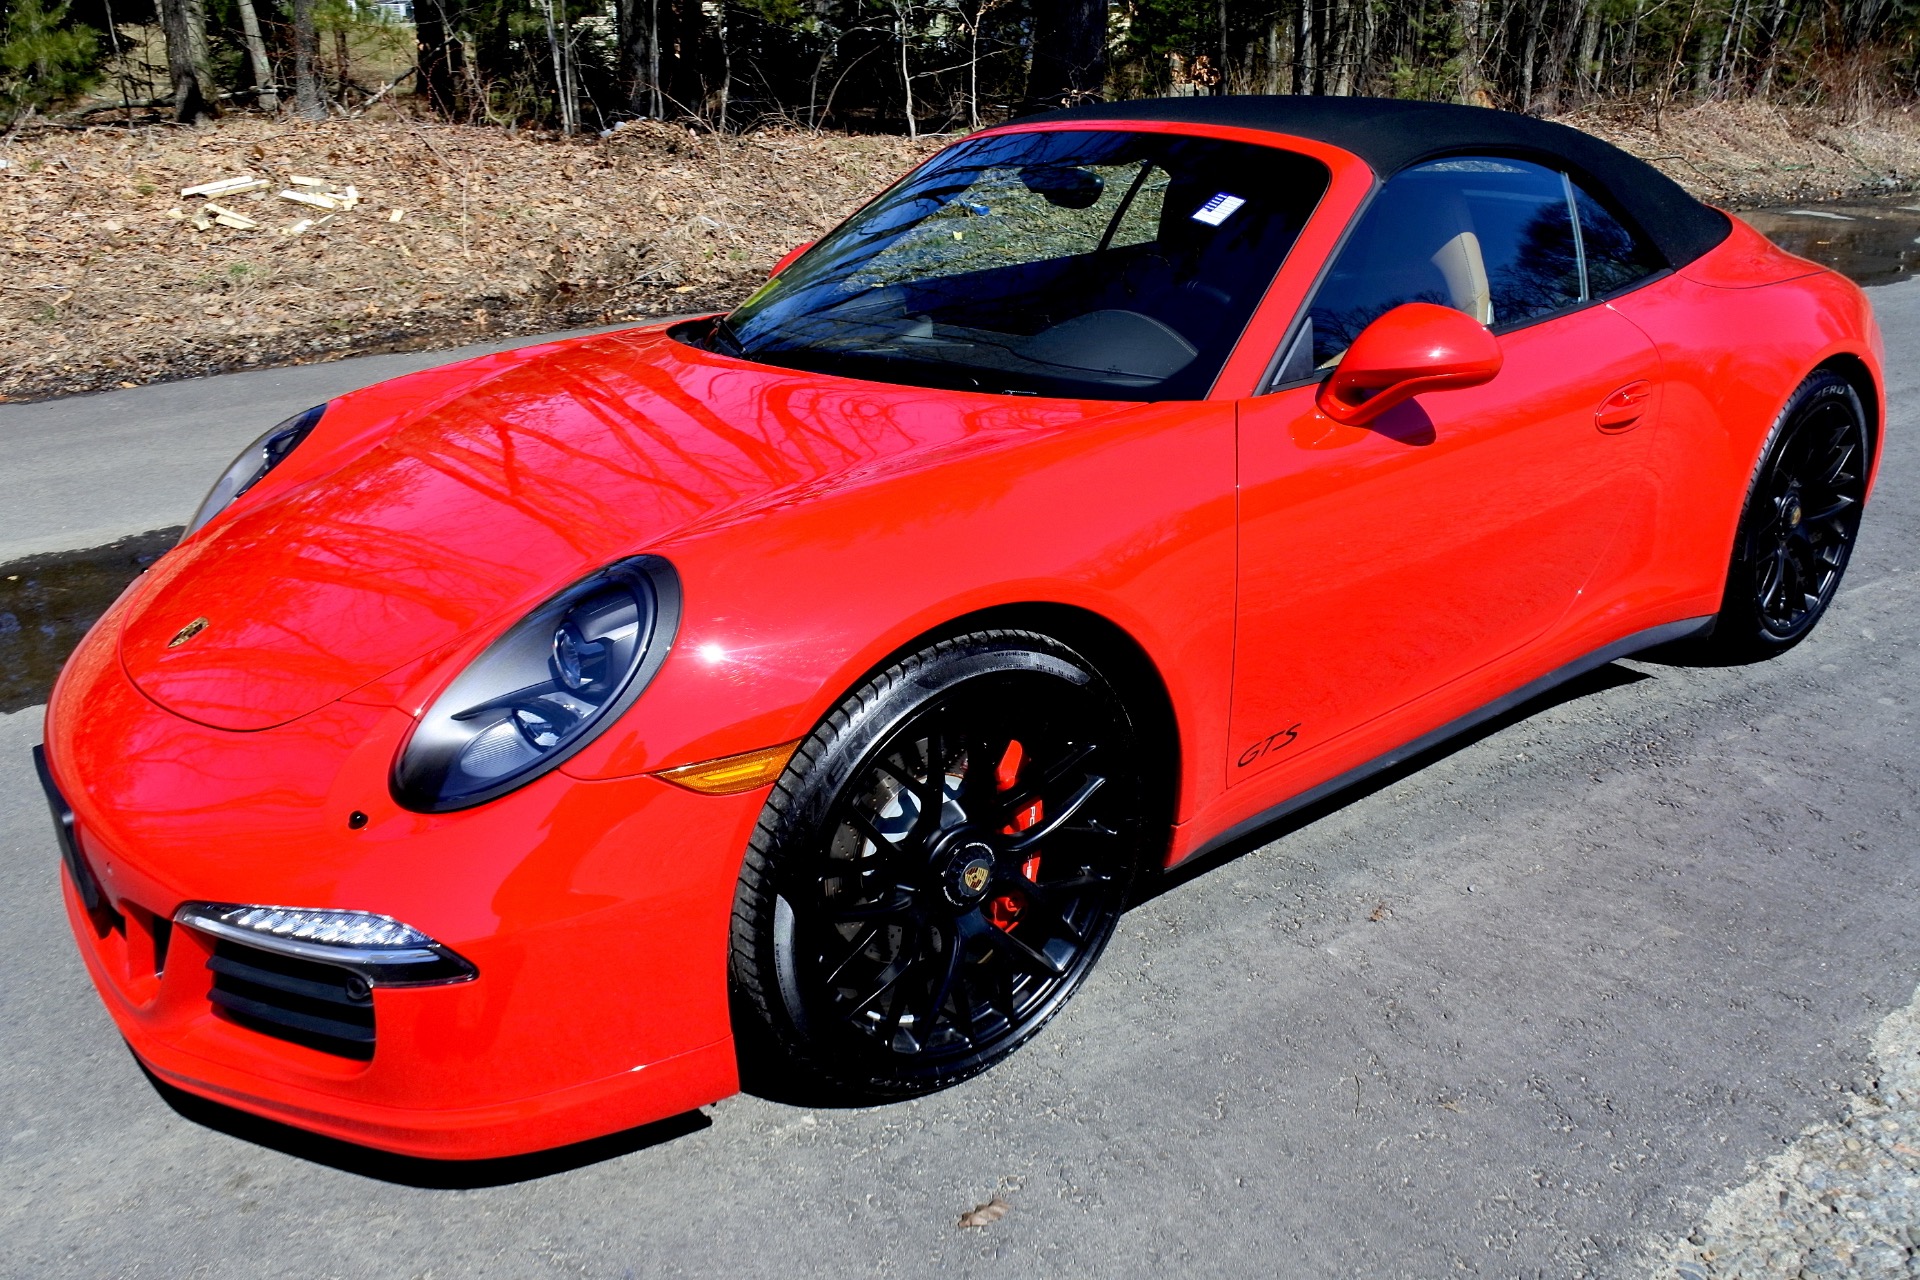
{"x":309,"y":103}
{"x":439,"y":57}
{"x":906,"y":78}
{"x":1703,"y":63}
{"x":659,"y":103}
{"x":726,"y":68}
{"x":1633,"y":47}
{"x":1470,"y":15}
{"x":1069,"y":53}
{"x":569,"y":87}
{"x":1585,"y":76}
{"x":194,"y":93}
{"x":1220,"y":85}
{"x":119,"y":61}
{"x":1273,"y":54}
{"x":1530,"y":53}
{"x":1346,"y":36}
{"x":1365,"y":37}
{"x":1303,"y":70}
{"x":684,"y":90}
{"x":1560,"y":51}
{"x":559,"y":71}
{"x":265,"y":94}
{"x":1323,"y":49}
{"x":973,"y":65}
{"x":813,"y":83}
{"x":1772,"y":46}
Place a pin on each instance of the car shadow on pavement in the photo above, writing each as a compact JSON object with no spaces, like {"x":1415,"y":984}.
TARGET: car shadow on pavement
{"x":416,"y":1171}
{"x":1611,"y":676}
{"x":761,"y":1073}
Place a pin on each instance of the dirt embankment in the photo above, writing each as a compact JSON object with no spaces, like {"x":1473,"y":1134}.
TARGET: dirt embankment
{"x":460,"y":233}
{"x":1742,"y":155}
{"x":457,"y":234}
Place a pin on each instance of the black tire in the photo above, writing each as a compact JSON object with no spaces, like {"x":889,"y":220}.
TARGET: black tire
{"x":890,"y":939}
{"x":1798,"y":525}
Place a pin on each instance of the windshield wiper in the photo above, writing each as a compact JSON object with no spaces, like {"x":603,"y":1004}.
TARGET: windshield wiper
{"x":724,"y":331}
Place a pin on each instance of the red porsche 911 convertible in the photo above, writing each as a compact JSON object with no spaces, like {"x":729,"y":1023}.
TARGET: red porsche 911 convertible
{"x":515,"y":752}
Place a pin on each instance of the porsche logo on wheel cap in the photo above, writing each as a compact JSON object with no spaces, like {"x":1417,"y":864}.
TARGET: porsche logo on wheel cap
{"x":187,"y":633}
{"x":975,"y":876}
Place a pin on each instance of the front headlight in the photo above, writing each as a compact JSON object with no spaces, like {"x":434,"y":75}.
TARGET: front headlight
{"x":247,"y":470}
{"x":543,"y":690}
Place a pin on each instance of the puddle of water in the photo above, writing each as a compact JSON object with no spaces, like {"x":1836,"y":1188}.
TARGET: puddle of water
{"x":1871,"y":240}
{"x":48,"y":602}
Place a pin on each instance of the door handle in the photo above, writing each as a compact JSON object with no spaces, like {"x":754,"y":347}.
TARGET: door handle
{"x":1621,"y":410}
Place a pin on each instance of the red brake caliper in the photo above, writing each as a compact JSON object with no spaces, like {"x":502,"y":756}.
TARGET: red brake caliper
{"x":1005,"y":910}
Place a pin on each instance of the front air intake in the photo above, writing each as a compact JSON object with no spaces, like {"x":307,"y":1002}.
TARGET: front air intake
{"x":318,"y":1005}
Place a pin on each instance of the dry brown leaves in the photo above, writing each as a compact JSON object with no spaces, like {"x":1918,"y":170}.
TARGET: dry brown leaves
{"x":504,"y":233}
{"x":1755,"y":153}
{"x":499,"y":233}
{"x":984,"y":1214}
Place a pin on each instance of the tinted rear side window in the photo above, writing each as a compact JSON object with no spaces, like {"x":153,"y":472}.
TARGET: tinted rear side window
{"x":1615,"y":256}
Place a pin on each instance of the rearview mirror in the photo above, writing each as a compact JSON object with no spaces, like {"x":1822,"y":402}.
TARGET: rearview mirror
{"x":787,"y":261}
{"x":1063,"y":186}
{"x":1416,"y":347}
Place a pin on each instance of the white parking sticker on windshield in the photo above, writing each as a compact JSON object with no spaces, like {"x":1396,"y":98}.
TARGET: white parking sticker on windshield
{"x":1217,"y":210}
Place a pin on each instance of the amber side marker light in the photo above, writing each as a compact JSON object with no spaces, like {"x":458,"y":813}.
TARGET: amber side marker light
{"x":733,"y":775}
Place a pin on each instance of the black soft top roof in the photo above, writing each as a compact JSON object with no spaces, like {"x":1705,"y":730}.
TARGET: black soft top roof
{"x":1391,"y":134}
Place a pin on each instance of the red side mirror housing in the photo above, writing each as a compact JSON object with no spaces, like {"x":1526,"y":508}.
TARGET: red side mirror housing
{"x":787,"y":261}
{"x":1416,"y":347}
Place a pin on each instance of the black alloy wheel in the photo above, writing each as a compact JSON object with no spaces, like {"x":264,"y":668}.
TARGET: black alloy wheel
{"x":938,"y":870}
{"x":1801,"y":519}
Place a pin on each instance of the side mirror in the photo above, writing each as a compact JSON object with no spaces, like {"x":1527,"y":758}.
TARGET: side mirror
{"x":787,"y":261}
{"x":1416,"y":347}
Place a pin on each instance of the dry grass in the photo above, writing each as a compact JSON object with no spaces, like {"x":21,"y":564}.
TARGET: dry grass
{"x":1743,"y":154}
{"x":500,"y":233}
{"x":505,"y":233}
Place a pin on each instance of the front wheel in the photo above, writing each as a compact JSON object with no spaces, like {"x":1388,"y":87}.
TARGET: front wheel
{"x":937,"y":871}
{"x":1797,"y":531}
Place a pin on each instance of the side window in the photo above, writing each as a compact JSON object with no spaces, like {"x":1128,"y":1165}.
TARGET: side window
{"x":1492,"y":237}
{"x":1615,"y":256}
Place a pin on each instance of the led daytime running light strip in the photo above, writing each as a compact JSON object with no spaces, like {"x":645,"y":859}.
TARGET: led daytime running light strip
{"x":383,"y":950}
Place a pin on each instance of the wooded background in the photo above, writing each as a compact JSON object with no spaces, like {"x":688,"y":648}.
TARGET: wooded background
{"x":916,"y":66}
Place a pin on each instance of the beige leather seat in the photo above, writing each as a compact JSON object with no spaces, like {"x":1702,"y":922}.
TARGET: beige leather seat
{"x":1459,"y":260}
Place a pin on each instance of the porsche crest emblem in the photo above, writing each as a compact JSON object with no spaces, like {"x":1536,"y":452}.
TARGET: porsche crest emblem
{"x":975,"y":877}
{"x":187,"y":633}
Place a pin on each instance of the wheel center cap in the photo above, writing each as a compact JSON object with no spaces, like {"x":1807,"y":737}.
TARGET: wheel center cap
{"x":968,"y":871}
{"x":1794,"y":515}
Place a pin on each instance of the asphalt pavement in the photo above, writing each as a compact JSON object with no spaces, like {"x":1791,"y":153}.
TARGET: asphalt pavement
{"x":81,"y":471}
{"x":1525,"y":1008}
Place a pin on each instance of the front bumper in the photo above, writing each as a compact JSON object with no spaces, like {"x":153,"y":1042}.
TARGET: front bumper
{"x":595,"y":912}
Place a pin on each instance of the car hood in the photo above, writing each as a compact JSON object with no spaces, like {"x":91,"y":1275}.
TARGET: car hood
{"x":452,"y":501}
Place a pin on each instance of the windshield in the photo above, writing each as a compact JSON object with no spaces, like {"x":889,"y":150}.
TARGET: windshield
{"x":1102,"y":265}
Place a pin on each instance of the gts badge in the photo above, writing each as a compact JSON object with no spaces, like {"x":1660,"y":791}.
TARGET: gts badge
{"x":1268,"y":745}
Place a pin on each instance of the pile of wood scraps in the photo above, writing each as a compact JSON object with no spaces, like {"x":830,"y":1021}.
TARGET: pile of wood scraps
{"x":313,"y":193}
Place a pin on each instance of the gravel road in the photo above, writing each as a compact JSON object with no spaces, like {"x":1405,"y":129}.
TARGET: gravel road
{"x":1584,"y":995}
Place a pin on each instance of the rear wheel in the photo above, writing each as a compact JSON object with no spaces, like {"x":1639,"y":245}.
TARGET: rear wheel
{"x":937,"y":871}
{"x":1798,"y":529}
